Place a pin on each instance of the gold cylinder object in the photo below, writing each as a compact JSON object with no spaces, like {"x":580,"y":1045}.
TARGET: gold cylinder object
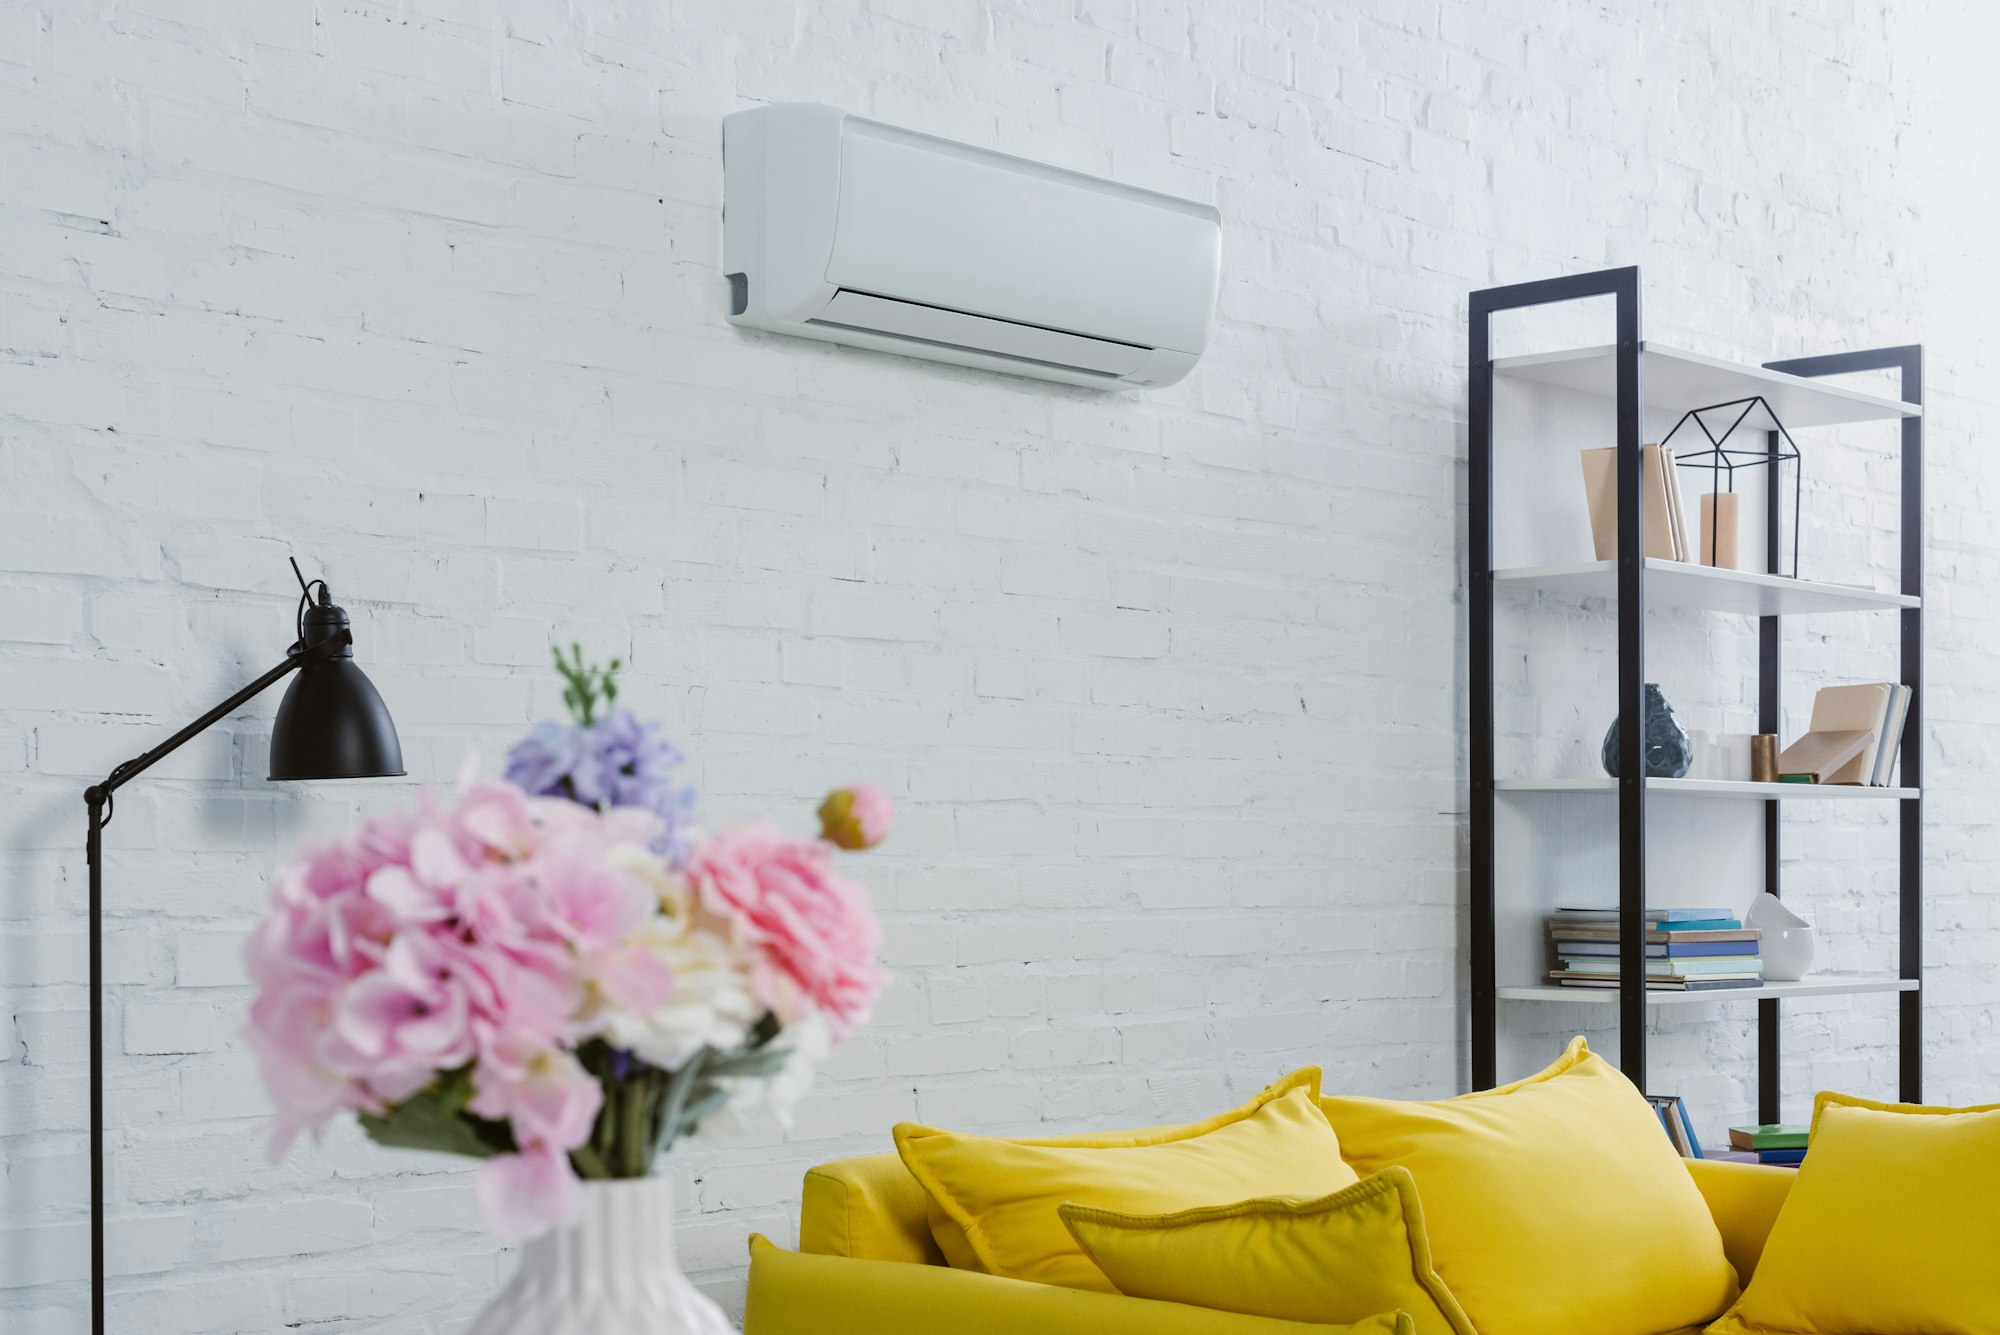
{"x":1764,"y":758}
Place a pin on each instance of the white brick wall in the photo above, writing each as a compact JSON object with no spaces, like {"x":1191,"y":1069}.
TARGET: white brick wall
{"x":1169,"y":686}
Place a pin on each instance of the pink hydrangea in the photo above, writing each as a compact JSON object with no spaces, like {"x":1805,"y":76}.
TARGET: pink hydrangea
{"x":465,"y":936}
{"x":810,"y":936}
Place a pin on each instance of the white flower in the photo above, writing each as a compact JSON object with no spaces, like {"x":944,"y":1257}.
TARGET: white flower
{"x":710,"y":1005}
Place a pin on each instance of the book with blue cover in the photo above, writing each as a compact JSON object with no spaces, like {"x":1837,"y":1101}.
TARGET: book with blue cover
{"x":1659,"y":950}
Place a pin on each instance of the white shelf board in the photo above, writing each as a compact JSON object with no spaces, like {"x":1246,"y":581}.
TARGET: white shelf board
{"x":1681,"y":584}
{"x":1783,"y":792}
{"x":1675,"y":381}
{"x":1820,"y":985}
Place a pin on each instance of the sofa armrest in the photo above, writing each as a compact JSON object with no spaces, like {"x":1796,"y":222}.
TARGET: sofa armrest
{"x":1745,"y":1199}
{"x":868,"y":1207}
{"x":792,"y":1293}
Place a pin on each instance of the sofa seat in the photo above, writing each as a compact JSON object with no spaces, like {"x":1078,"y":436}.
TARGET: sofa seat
{"x":867,"y":1265}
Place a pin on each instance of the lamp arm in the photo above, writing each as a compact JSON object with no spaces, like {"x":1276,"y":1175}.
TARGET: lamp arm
{"x":295,"y":658}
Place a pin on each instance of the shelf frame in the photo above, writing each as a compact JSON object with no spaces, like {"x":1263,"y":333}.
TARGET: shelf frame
{"x":1622,"y":285}
{"x":1767,"y":597}
{"x":1908,"y":362}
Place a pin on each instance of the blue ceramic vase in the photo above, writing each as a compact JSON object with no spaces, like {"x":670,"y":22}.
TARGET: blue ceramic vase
{"x":1668,"y":753}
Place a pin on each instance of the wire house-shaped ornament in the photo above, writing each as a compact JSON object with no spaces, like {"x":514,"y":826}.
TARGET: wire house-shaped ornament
{"x":1721,"y":457}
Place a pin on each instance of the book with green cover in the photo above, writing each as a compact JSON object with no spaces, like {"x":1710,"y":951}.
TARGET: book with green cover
{"x":1769,"y":1136}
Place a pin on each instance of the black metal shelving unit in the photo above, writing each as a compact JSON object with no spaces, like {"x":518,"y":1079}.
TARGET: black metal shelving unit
{"x":1628,"y":354}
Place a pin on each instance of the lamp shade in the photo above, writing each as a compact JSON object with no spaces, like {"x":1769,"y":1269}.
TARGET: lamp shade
{"x":332,"y":723}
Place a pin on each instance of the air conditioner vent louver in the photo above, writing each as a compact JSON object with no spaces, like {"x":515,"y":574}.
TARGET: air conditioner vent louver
{"x":847,"y":230}
{"x":865,"y":312}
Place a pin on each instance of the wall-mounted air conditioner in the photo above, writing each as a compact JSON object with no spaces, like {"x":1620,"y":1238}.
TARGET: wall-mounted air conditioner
{"x":845,"y":229}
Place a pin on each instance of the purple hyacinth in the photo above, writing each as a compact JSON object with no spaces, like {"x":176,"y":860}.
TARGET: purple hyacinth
{"x":616,"y":761}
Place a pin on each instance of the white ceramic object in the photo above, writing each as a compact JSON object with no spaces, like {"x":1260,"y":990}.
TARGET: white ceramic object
{"x":1732,"y":756}
{"x":612,"y":1272}
{"x":1701,"y":755}
{"x":1787,"y":947}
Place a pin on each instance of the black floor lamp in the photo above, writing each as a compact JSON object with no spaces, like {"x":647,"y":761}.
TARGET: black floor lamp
{"x":331,"y":725}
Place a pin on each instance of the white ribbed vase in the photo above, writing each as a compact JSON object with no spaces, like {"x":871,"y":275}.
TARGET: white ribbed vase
{"x":612,"y":1272}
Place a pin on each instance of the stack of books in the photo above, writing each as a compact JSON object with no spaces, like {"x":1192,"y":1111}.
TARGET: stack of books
{"x":1774,"y":1142}
{"x":1687,"y":949}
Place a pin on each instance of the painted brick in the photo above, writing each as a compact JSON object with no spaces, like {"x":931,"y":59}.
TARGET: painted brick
{"x":40,"y":616}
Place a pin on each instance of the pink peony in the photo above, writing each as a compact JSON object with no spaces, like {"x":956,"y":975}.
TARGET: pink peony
{"x":811,"y":936}
{"x":856,"y":817}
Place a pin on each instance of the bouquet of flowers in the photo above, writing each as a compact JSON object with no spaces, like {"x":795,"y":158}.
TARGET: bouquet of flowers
{"x":557,"y":973}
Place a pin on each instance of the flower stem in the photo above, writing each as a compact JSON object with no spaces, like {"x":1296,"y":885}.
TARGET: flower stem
{"x":632,"y":1128}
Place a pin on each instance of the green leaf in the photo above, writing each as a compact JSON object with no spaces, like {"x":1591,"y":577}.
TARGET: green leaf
{"x":434,"y":1119}
{"x":706,"y":1099}
{"x":763,"y":1061}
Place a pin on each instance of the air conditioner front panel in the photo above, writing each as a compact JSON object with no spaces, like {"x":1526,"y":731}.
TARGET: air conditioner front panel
{"x":931,"y":324}
{"x":937,"y":223}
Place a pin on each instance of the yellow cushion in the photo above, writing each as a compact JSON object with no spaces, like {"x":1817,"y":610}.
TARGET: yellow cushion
{"x":1337,"y":1258}
{"x":1553,"y":1204}
{"x":1893,"y":1227}
{"x":995,"y":1201}
{"x":795,"y":1294}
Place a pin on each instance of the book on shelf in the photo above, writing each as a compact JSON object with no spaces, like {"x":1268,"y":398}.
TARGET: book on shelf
{"x":1736,"y":931}
{"x":1652,"y":915}
{"x":1877,"y":708}
{"x":1675,"y":949}
{"x":1725,"y":966}
{"x":1770,"y":1136}
{"x":1677,"y":513}
{"x":1892,"y":737}
{"x":1669,"y":984}
{"x":1818,"y":756}
{"x":1673,"y":1114}
{"x":1782,"y":1158}
{"x":1666,"y":532}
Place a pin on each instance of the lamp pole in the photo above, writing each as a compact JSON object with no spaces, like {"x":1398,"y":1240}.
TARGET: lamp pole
{"x":98,"y":797}
{"x":331,"y":725}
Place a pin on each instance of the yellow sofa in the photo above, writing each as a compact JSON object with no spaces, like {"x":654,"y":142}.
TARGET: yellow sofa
{"x":866,"y":1265}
